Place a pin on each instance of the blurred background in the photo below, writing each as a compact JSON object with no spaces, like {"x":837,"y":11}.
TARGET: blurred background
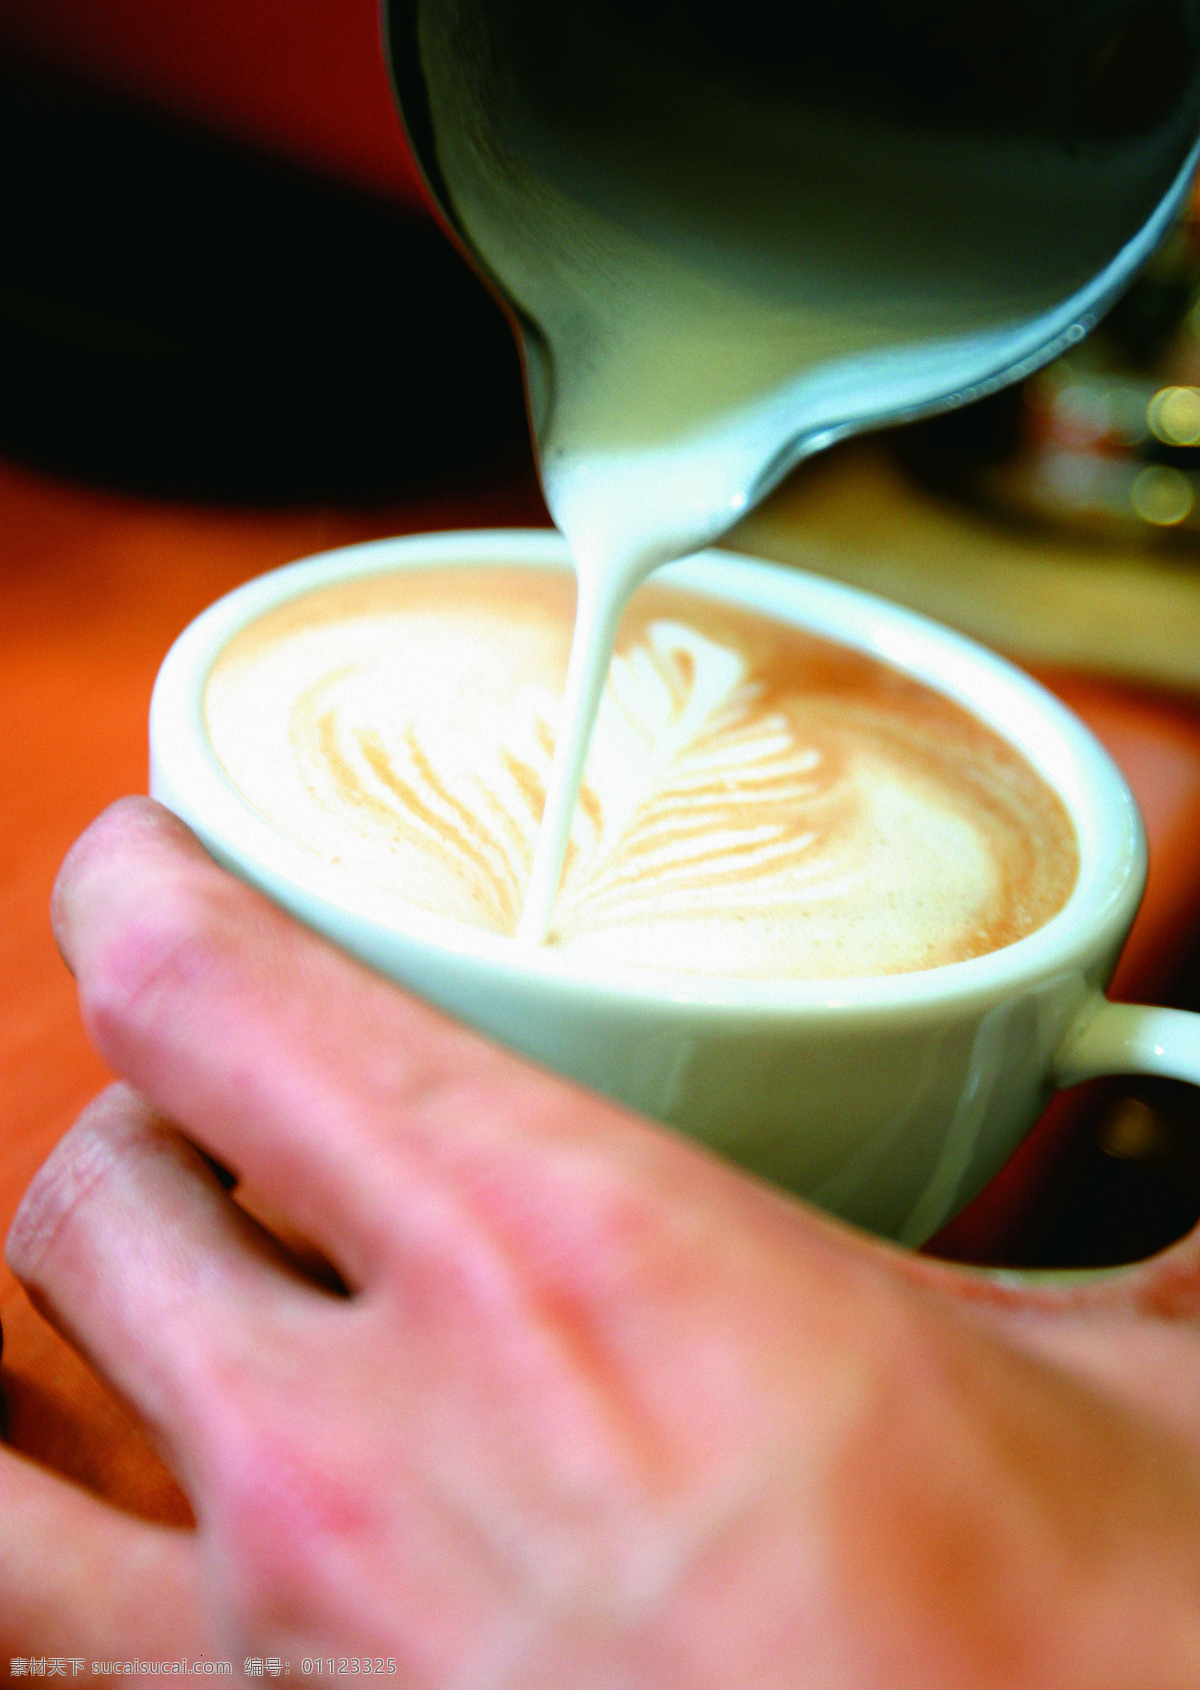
{"x":231,"y":333}
{"x":220,"y":281}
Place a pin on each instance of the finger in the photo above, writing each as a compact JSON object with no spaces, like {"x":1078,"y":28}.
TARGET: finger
{"x":231,"y":1020}
{"x":129,"y":1243}
{"x":326,"y":1088}
{"x":80,"y":1579}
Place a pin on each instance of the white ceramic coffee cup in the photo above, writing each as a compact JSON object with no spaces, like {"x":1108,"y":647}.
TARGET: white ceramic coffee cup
{"x":888,"y":1100}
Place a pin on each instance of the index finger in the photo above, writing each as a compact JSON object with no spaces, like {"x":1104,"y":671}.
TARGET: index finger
{"x":314,"y":1080}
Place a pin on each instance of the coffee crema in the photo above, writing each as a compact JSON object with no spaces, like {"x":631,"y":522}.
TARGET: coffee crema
{"x":758,"y":802}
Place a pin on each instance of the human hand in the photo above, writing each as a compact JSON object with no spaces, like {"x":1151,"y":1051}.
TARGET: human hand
{"x":593,"y":1409}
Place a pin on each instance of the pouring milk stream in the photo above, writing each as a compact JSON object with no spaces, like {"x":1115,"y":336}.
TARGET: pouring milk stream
{"x":731,"y":236}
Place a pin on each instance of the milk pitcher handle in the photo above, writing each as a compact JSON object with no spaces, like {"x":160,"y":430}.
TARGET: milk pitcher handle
{"x":1129,"y":1038}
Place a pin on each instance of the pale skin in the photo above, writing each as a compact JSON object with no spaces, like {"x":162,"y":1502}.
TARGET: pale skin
{"x":593,"y":1412}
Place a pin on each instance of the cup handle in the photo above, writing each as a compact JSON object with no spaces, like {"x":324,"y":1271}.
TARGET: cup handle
{"x":1129,"y":1038}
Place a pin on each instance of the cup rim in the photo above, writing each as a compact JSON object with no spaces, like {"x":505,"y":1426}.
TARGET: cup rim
{"x":187,"y":776}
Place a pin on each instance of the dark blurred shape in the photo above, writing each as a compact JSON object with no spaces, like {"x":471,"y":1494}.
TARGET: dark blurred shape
{"x":1128,"y":1185}
{"x":301,"y":79}
{"x":182,"y":317}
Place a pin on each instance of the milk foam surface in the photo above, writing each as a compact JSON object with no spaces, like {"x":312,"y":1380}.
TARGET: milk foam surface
{"x":756,"y":802}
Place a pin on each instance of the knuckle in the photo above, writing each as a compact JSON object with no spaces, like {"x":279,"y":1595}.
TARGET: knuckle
{"x":64,"y":1189}
{"x":287,"y":1514}
{"x":612,"y":1234}
{"x":164,"y":952}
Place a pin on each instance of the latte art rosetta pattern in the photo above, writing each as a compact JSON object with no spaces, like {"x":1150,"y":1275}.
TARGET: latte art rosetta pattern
{"x":756,"y":802}
{"x":470,"y":802}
